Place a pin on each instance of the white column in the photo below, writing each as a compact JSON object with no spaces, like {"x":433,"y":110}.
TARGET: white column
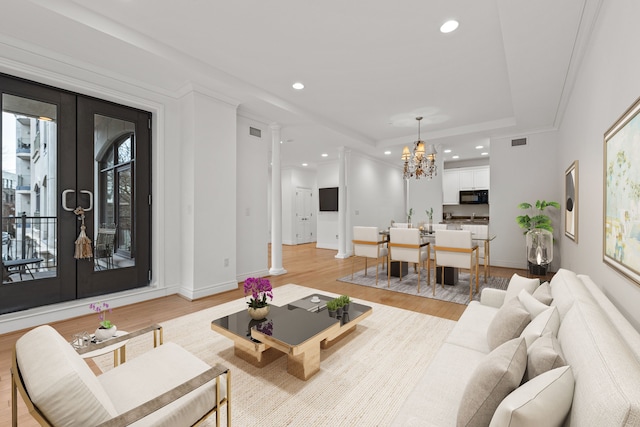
{"x":276,"y":203}
{"x":342,"y":204}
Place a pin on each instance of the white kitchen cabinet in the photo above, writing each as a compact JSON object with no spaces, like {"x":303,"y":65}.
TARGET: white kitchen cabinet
{"x":450,"y":187}
{"x":454,"y":180}
{"x":474,"y":178}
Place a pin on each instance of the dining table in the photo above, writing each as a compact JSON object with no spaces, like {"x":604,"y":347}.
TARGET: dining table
{"x":483,"y":239}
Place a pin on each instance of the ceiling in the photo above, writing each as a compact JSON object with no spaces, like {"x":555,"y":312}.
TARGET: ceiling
{"x":369,"y":68}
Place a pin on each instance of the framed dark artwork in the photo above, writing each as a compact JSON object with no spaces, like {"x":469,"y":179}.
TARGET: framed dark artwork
{"x":571,"y":202}
{"x":621,"y":239}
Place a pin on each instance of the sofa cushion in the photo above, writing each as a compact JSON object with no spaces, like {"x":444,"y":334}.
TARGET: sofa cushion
{"x":531,"y":304}
{"x":547,"y":321}
{"x":435,"y":399}
{"x":566,"y":289}
{"x":543,"y":355}
{"x":508,"y":323}
{"x":471,"y":329}
{"x":497,"y":375}
{"x":155,"y":372}
{"x":543,"y":401}
{"x":543,"y":293}
{"x":607,"y":372}
{"x":59,"y":381}
{"x":518,"y":283}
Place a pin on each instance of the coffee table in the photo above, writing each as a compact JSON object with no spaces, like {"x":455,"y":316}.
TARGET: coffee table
{"x":299,"y":330}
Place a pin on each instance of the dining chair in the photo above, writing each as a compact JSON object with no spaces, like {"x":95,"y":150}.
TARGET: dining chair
{"x":480,"y":233}
{"x":406,"y":245}
{"x":368,"y":243}
{"x":454,"y":248}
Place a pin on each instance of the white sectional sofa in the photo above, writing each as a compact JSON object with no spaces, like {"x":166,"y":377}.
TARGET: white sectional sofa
{"x":599,"y":346}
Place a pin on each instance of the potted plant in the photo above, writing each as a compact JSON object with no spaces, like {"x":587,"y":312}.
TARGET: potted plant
{"x":260,"y":289}
{"x":332,"y":308}
{"x":537,"y":219}
{"x":430,"y":215}
{"x":339,"y":306}
{"x":346,"y":301}
{"x":106,"y":329}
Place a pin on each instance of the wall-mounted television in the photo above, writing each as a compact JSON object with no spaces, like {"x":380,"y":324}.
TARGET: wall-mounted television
{"x":328,"y":199}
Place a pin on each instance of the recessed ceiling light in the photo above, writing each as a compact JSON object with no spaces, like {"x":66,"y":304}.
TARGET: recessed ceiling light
{"x":298,"y":86}
{"x":387,"y":153}
{"x":479,"y":147}
{"x":305,"y":164}
{"x":449,"y":26}
{"x":325,"y":155}
{"x":484,"y":154}
{"x":447,"y":150}
{"x":455,"y":157}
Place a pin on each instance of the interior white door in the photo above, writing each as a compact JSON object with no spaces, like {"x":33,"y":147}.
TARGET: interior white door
{"x":304,"y":216}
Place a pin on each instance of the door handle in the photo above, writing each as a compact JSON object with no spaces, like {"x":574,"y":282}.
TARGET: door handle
{"x":64,"y":200}
{"x":68,"y":191}
{"x":90,"y":199}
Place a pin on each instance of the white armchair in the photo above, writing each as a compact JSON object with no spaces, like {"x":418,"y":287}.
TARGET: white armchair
{"x":454,"y":248}
{"x":166,"y":386}
{"x":405,"y":245}
{"x":368,"y":243}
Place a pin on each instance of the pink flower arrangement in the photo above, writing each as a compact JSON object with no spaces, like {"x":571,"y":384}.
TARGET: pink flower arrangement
{"x":101,"y":308}
{"x":260,"y":289}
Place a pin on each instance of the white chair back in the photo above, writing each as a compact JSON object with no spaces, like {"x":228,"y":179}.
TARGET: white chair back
{"x":478,"y":231}
{"x":406,"y":236}
{"x":366,"y":234}
{"x":453,"y":239}
{"x":400,"y":225}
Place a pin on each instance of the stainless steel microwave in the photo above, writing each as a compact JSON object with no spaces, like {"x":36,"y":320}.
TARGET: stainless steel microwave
{"x":474,"y":197}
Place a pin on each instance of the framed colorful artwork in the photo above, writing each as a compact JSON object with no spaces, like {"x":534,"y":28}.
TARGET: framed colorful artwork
{"x":621,"y":239}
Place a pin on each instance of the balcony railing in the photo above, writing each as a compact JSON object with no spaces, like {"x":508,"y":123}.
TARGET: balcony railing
{"x":27,"y":237}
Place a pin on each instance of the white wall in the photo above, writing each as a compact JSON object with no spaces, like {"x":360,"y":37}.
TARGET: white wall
{"x":375,"y":192}
{"x":606,"y":86}
{"x":327,"y":222}
{"x":252,"y":206}
{"x":522,"y":174}
{"x":208,"y":196}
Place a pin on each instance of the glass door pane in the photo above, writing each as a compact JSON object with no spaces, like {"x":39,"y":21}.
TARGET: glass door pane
{"x":114,"y":155}
{"x":29,"y":201}
{"x":113,"y":163}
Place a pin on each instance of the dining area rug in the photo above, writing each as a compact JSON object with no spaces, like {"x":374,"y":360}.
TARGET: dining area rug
{"x":458,"y":293}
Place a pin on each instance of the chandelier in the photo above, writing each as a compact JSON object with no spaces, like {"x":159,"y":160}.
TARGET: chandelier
{"x":423,"y":160}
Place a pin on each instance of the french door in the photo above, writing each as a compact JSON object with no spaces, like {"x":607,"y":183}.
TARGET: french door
{"x":70,"y":161}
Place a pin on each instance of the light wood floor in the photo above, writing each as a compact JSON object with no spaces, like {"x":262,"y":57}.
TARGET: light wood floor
{"x":305,"y":265}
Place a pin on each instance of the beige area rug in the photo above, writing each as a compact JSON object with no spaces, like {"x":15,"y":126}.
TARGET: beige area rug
{"x":458,"y":293}
{"x":363,"y":379}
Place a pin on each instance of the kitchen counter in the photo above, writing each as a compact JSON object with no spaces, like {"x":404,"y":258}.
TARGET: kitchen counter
{"x":466,"y":220}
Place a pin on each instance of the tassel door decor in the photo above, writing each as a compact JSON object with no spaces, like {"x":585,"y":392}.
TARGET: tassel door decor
{"x":83,"y":243}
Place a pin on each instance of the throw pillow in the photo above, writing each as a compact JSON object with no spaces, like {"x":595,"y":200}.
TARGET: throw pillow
{"x":508,"y":323}
{"x":532,"y":305}
{"x":547,"y":321}
{"x":544,"y":355}
{"x":543,"y":293}
{"x":518,"y":283}
{"x":497,"y":375}
{"x":544,"y":401}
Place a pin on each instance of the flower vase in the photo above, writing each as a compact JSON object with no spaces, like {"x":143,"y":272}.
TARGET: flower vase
{"x":258,"y":313}
{"x":104,"y":333}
